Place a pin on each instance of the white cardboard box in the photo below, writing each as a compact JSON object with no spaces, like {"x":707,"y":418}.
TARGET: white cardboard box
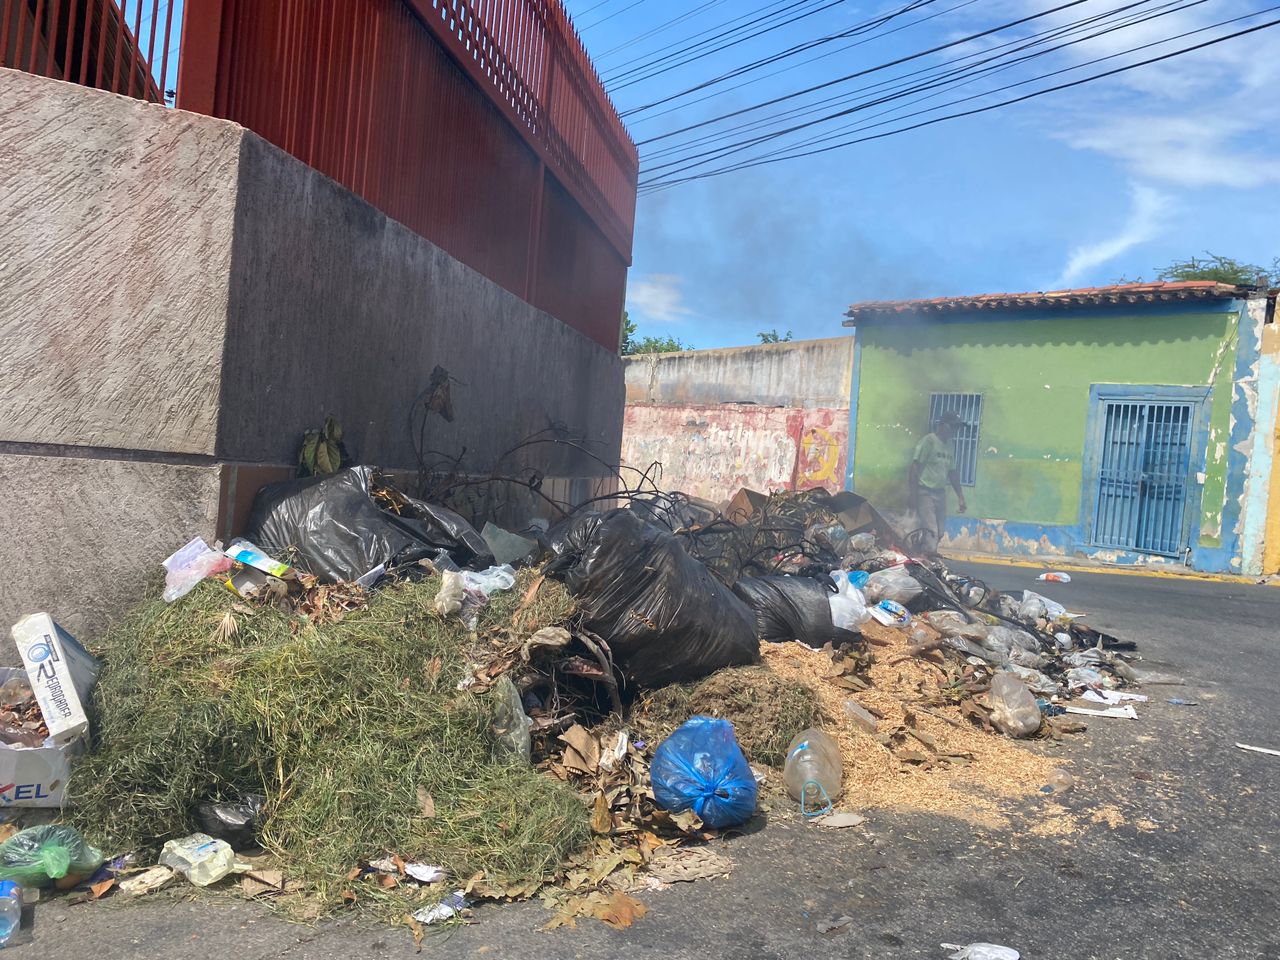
{"x":34,"y":776}
{"x":61,"y":672}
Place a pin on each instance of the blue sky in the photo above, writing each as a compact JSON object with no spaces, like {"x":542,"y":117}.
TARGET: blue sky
{"x":1076,"y":188}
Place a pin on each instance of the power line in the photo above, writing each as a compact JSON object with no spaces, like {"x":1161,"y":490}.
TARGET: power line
{"x":615,"y":13}
{"x":794,"y":66}
{"x":662,"y":64}
{"x":658,"y":29}
{"x":862,"y":73}
{"x":953,"y":82}
{"x":866,"y":25}
{"x":713,"y":155}
{"x":583,"y":13}
{"x":951,"y":76}
{"x":650,"y":187}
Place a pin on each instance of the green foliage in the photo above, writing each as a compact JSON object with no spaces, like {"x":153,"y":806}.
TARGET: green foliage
{"x":340,"y":726}
{"x":1220,"y":269}
{"x":632,"y":345}
{"x":772,"y":336}
{"x":322,"y":450}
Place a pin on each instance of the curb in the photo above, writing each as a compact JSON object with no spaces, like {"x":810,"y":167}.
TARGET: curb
{"x":1124,"y":571}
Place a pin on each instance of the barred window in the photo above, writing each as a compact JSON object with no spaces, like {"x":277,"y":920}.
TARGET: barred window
{"x":969,"y":407}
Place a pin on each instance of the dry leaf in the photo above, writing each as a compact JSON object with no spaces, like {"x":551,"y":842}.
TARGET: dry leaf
{"x":348,"y":897}
{"x":426,"y":803}
{"x":688,"y":864}
{"x":98,"y":889}
{"x":582,"y":753}
{"x":388,"y":881}
{"x":620,"y":911}
{"x":432,"y":671}
{"x":418,"y":932}
{"x":601,"y":817}
{"x":354,"y":873}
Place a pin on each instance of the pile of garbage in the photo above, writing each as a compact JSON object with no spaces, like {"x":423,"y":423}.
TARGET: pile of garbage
{"x":366,"y":700}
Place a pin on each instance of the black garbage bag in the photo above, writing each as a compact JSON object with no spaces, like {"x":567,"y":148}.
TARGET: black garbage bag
{"x":340,"y":533}
{"x":571,"y":535}
{"x":788,"y":608}
{"x":235,"y":821}
{"x":665,"y":617}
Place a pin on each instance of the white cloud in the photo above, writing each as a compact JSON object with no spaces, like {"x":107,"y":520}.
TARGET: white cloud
{"x":1147,"y":217}
{"x":656,"y":297}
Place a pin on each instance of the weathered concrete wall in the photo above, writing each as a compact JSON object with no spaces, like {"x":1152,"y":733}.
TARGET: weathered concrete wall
{"x":115,"y":248}
{"x":802,"y":373}
{"x":336,"y":309}
{"x":768,"y":417}
{"x":180,"y":300}
{"x":84,"y":535}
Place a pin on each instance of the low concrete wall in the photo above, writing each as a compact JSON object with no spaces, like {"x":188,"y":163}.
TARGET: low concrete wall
{"x":801,"y":373}
{"x":181,"y":300}
{"x":768,"y":417}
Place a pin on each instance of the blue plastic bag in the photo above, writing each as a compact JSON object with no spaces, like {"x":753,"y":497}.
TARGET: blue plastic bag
{"x":701,"y":768}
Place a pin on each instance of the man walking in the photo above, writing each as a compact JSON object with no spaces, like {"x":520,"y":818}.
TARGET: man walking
{"x":932,"y":467}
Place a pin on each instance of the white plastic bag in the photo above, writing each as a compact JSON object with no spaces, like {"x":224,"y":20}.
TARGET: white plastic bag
{"x":981,"y":951}
{"x":1013,"y":709}
{"x":848,"y":605}
{"x":189,"y":565}
{"x":893,"y":584}
{"x":491,"y":580}
{"x":1035,"y":605}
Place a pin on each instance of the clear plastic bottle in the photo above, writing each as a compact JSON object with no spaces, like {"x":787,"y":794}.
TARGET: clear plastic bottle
{"x":10,"y":910}
{"x":200,"y":858}
{"x":813,"y":771}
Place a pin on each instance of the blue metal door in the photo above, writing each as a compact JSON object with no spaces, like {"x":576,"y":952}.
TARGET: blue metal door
{"x":1143,"y":467}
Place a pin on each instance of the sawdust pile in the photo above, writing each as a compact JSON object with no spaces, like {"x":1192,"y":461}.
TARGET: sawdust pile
{"x":966,"y":773}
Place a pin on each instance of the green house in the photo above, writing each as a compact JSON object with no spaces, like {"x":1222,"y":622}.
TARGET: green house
{"x":1131,"y":424}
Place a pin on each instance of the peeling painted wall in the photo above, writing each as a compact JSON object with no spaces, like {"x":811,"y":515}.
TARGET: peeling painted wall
{"x":768,"y":417}
{"x":1035,"y":370}
{"x":711,"y":450}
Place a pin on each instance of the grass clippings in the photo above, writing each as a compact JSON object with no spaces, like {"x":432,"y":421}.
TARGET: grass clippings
{"x":765,"y":708}
{"x":347,"y":728}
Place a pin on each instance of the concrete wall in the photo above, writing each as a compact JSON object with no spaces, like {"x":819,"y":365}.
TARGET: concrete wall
{"x":801,"y":373}
{"x":181,"y":300}
{"x":768,"y":417}
{"x":1035,"y":373}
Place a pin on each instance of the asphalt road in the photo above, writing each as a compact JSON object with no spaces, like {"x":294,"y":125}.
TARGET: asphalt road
{"x":1188,"y":870}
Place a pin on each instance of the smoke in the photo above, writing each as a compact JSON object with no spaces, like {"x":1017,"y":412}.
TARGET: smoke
{"x":784,"y":249}
{"x":1148,"y":215}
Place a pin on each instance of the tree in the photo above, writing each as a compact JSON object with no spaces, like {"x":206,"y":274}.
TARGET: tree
{"x":632,"y":345}
{"x":771,"y":336}
{"x":1220,"y":269}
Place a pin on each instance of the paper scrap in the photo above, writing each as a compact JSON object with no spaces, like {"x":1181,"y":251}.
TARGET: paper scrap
{"x":1115,"y":713}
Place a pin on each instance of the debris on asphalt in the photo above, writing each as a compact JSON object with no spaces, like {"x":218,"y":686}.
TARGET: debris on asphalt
{"x":701,"y":768}
{"x":833,"y":925}
{"x":451,"y":906}
{"x":148,"y":881}
{"x":200,"y":858}
{"x":686,"y":864}
{"x":981,"y":951}
{"x":233,"y":821}
{"x":1269,"y":752}
{"x":1054,"y":576}
{"x":1125,"y":712}
{"x":1179,"y":702}
{"x":813,"y":773}
{"x":839,"y":820}
{"x":43,"y":855}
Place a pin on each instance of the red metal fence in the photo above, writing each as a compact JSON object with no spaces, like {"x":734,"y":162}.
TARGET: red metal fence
{"x":480,"y":124}
{"x":117,"y":45}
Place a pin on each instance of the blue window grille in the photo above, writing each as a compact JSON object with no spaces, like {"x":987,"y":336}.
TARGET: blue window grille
{"x":969,"y":407}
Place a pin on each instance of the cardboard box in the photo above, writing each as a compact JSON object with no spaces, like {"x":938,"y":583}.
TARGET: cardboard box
{"x":61,"y":672}
{"x":34,"y":776}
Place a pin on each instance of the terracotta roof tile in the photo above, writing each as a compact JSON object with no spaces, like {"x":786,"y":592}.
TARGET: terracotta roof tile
{"x":1083,"y":296}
